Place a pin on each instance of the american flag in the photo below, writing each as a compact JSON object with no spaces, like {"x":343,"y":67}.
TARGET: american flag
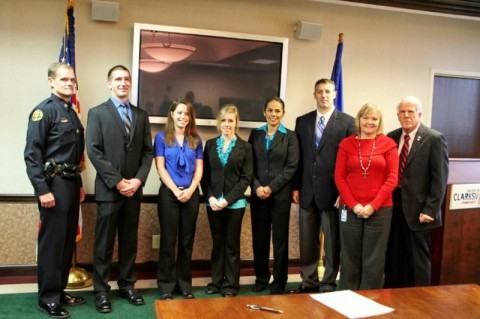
{"x":67,"y":55}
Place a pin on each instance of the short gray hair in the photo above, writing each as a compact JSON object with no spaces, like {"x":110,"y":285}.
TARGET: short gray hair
{"x":411,"y":100}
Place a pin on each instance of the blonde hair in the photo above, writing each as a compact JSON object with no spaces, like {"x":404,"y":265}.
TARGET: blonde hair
{"x":228,"y":109}
{"x":190,"y":131}
{"x":367,"y":109}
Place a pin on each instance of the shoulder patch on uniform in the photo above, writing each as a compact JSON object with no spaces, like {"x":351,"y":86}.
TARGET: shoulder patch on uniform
{"x":37,"y":115}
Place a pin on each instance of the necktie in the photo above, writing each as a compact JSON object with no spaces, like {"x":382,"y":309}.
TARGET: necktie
{"x":403,"y":157}
{"x":126,"y":118}
{"x":319,"y":130}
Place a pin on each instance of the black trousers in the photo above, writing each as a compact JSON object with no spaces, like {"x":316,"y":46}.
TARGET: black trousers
{"x":56,"y":239}
{"x":116,"y":217}
{"x":408,"y":262}
{"x":270,"y":219}
{"x":178,"y":222}
{"x":226,"y":227}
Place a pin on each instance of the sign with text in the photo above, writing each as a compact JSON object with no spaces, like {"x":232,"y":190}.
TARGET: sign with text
{"x":464,"y":196}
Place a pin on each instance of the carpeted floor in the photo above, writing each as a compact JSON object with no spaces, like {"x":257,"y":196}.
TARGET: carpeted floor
{"x":24,"y":305}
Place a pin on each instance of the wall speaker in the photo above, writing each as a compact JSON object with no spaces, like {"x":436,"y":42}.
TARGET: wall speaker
{"x":307,"y":30}
{"x":105,"y":10}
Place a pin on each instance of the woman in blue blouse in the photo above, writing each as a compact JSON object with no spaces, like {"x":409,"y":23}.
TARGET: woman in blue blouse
{"x":275,"y":157}
{"x":228,"y":172}
{"x":179,"y":161}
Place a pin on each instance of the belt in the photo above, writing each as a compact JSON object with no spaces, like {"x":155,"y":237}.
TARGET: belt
{"x":64,"y":170}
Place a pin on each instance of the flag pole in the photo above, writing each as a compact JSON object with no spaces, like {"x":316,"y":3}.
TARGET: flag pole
{"x":77,"y":277}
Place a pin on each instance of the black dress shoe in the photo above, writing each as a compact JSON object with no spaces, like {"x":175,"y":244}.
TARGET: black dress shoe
{"x":187,"y":295}
{"x":211,"y":290}
{"x":69,"y":300}
{"x":259,"y":287}
{"x":229,"y":294}
{"x":132,"y":296}
{"x":166,"y":297}
{"x":53,"y":310}
{"x":102,"y":303}
{"x":303,"y":290}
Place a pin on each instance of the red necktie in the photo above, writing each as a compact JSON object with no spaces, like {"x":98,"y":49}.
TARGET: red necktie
{"x":403,"y":157}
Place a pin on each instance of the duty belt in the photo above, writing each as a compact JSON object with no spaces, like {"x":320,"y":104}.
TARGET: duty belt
{"x":64,"y":170}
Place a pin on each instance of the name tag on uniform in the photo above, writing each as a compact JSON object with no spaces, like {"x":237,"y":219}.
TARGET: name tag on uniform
{"x":63,"y":120}
{"x":343,"y":214}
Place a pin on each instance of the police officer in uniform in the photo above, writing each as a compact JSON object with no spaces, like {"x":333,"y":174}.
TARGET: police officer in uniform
{"x":55,"y":144}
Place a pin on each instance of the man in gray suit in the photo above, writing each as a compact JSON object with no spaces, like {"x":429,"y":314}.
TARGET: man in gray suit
{"x":418,"y":198}
{"x":119,"y":145}
{"x":319,"y":132}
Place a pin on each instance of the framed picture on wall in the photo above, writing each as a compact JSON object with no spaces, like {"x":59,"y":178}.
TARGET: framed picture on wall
{"x":207,"y":69}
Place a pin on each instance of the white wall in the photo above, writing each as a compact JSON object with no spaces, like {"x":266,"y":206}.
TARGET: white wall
{"x":387,"y":55}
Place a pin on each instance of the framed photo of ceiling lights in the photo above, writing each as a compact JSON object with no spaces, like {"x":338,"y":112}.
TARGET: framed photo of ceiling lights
{"x":208,"y":69}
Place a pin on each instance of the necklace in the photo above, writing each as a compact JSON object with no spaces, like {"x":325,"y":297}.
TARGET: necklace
{"x":365,"y":169}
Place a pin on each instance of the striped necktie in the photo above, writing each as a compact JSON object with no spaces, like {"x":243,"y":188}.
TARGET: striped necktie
{"x":403,"y":157}
{"x":319,"y":130}
{"x":126,"y":118}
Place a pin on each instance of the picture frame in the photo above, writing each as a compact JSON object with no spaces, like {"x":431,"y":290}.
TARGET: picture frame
{"x":207,"y":68}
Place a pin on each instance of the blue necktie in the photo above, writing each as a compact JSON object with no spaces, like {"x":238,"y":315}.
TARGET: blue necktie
{"x":319,"y":130}
{"x":126,"y":118}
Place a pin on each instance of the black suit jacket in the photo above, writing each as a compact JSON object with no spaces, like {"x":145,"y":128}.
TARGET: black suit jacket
{"x":424,"y":178}
{"x":315,"y":176}
{"x":114,"y":154}
{"x":232,"y":180}
{"x":276,"y":166}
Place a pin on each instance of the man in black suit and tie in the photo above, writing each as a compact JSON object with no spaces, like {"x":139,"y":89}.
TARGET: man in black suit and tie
{"x":319,"y":132}
{"x":119,"y":145}
{"x":423,"y":173}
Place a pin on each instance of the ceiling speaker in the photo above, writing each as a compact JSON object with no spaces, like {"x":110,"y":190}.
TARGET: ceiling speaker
{"x":307,"y":30}
{"x":105,"y":10}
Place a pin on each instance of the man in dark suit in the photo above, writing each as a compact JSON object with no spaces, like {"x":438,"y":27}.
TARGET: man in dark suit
{"x":417,"y":200}
{"x":119,"y":145}
{"x":319,"y":133}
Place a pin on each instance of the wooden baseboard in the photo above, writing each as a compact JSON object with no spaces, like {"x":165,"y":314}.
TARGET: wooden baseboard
{"x":17,"y":274}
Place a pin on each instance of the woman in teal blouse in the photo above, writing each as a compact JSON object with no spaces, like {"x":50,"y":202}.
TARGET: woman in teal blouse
{"x":228,"y":167}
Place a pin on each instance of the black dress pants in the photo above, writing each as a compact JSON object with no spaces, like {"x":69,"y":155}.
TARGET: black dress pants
{"x":178,"y":223}
{"x":270,"y":219}
{"x":116,"y":217}
{"x":56,"y":239}
{"x":226,"y":226}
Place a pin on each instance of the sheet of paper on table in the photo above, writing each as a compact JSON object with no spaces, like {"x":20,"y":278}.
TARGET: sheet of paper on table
{"x":351,"y":304}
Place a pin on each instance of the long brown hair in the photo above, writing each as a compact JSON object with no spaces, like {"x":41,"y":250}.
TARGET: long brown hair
{"x":190,"y":131}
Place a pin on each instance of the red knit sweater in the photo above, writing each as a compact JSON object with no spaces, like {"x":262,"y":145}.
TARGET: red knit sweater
{"x":377,"y":187}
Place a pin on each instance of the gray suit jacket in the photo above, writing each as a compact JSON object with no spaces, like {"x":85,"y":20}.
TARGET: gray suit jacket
{"x":114,"y":154}
{"x":315,"y":174}
{"x":424,"y":178}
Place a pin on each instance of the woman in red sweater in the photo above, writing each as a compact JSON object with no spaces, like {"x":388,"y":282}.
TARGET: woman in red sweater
{"x":366,"y":174}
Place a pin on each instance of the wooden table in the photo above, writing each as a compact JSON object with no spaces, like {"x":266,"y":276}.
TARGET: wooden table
{"x":458,"y":301}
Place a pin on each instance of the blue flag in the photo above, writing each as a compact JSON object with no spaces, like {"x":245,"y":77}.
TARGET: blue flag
{"x":337,"y":74}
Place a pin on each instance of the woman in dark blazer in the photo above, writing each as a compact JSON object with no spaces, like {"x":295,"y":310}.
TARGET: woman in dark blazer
{"x":275,"y":157}
{"x":228,"y":170}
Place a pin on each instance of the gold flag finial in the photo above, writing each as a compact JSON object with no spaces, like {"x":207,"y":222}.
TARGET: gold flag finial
{"x":340,"y":38}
